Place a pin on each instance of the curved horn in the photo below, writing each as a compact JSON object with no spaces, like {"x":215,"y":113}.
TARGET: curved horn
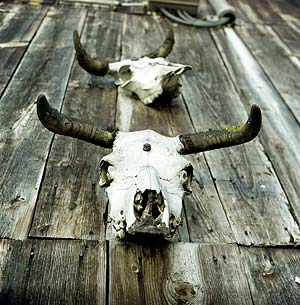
{"x":165,"y":49}
{"x":89,"y":64}
{"x":213,"y":139}
{"x":67,"y":126}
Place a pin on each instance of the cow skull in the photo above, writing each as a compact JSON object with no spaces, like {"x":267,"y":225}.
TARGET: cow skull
{"x":148,"y":77}
{"x":146,"y":176}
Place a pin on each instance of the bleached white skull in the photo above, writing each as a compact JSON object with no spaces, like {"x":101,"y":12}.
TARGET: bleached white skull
{"x":146,"y":179}
{"x":147,"y":77}
{"x":146,"y":176}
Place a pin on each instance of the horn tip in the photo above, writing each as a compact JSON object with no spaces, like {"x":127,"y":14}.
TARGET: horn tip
{"x":255,"y":113}
{"x":254,"y":121}
{"x":44,"y":110}
{"x":75,"y":35}
{"x":42,"y":102}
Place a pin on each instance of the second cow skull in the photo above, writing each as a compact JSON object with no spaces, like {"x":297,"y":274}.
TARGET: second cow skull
{"x":146,"y":175}
{"x":147,"y":77}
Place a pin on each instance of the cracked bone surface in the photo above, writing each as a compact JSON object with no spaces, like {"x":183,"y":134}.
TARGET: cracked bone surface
{"x":147,"y":77}
{"x":145,"y":175}
{"x":145,"y":187}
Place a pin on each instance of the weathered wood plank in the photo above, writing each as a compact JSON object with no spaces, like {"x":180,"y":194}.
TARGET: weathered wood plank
{"x":19,"y":22}
{"x":254,"y":202}
{"x":272,"y":55}
{"x":289,"y":33}
{"x":18,"y":25}
{"x":52,"y":272}
{"x":258,"y":12}
{"x":24,"y":143}
{"x":283,"y":7}
{"x":280,"y":134}
{"x":171,"y":118}
{"x":271,"y":275}
{"x":176,"y":273}
{"x":71,"y":203}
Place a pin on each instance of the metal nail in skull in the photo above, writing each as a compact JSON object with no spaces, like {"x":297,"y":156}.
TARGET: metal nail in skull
{"x":147,"y":77}
{"x":145,"y":175}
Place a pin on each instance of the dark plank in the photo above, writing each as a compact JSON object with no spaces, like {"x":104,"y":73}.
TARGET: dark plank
{"x":289,"y":7}
{"x":24,"y":144}
{"x":177,"y":273}
{"x":271,"y":275}
{"x":280,"y":134}
{"x":289,"y":33}
{"x":171,"y":119}
{"x":52,"y":272}
{"x":71,"y":203}
{"x":19,"y":22}
{"x":258,"y":12}
{"x":272,"y":55}
{"x":250,"y":192}
{"x":18,"y":25}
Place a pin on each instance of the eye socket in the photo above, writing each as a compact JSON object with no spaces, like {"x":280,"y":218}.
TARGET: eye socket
{"x":125,"y":70}
{"x":186,"y":176}
{"x":105,"y":178}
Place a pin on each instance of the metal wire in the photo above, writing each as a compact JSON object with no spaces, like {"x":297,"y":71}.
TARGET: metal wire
{"x":185,"y":18}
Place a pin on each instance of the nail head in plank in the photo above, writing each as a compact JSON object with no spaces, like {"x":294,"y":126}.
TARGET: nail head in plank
{"x":172,"y":273}
{"x":52,"y":272}
{"x":271,"y":275}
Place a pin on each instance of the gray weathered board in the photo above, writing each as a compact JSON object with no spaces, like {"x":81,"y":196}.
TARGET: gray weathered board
{"x":88,"y":272}
{"x":24,"y":144}
{"x":241,"y":223}
{"x":17,"y":29}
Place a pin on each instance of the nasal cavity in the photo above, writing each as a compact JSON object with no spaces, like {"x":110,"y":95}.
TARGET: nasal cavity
{"x":148,"y":204}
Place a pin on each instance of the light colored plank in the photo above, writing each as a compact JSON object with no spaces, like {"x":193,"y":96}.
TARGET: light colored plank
{"x":176,"y":273}
{"x":24,"y":142}
{"x":280,"y":134}
{"x":252,"y":197}
{"x":71,"y":204}
{"x":52,"y":272}
{"x":273,"y":56}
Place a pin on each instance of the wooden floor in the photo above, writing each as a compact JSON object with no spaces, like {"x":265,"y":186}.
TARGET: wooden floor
{"x":238,"y":243}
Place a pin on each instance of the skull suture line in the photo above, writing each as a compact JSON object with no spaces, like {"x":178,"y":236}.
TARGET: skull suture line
{"x":146,"y":176}
{"x":147,"y":77}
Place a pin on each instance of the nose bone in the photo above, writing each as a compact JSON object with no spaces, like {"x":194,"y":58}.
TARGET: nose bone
{"x":148,"y":179}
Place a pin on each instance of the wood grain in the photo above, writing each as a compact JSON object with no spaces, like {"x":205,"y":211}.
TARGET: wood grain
{"x":250,"y":192}
{"x":176,"y":273}
{"x":271,"y":275}
{"x":258,"y":12}
{"x":52,"y":272}
{"x":268,"y":49}
{"x":24,"y":144}
{"x":71,"y":204}
{"x":289,"y":33}
{"x":18,"y":24}
{"x":280,"y":134}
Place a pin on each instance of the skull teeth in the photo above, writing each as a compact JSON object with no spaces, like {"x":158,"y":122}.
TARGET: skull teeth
{"x":120,"y":233}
